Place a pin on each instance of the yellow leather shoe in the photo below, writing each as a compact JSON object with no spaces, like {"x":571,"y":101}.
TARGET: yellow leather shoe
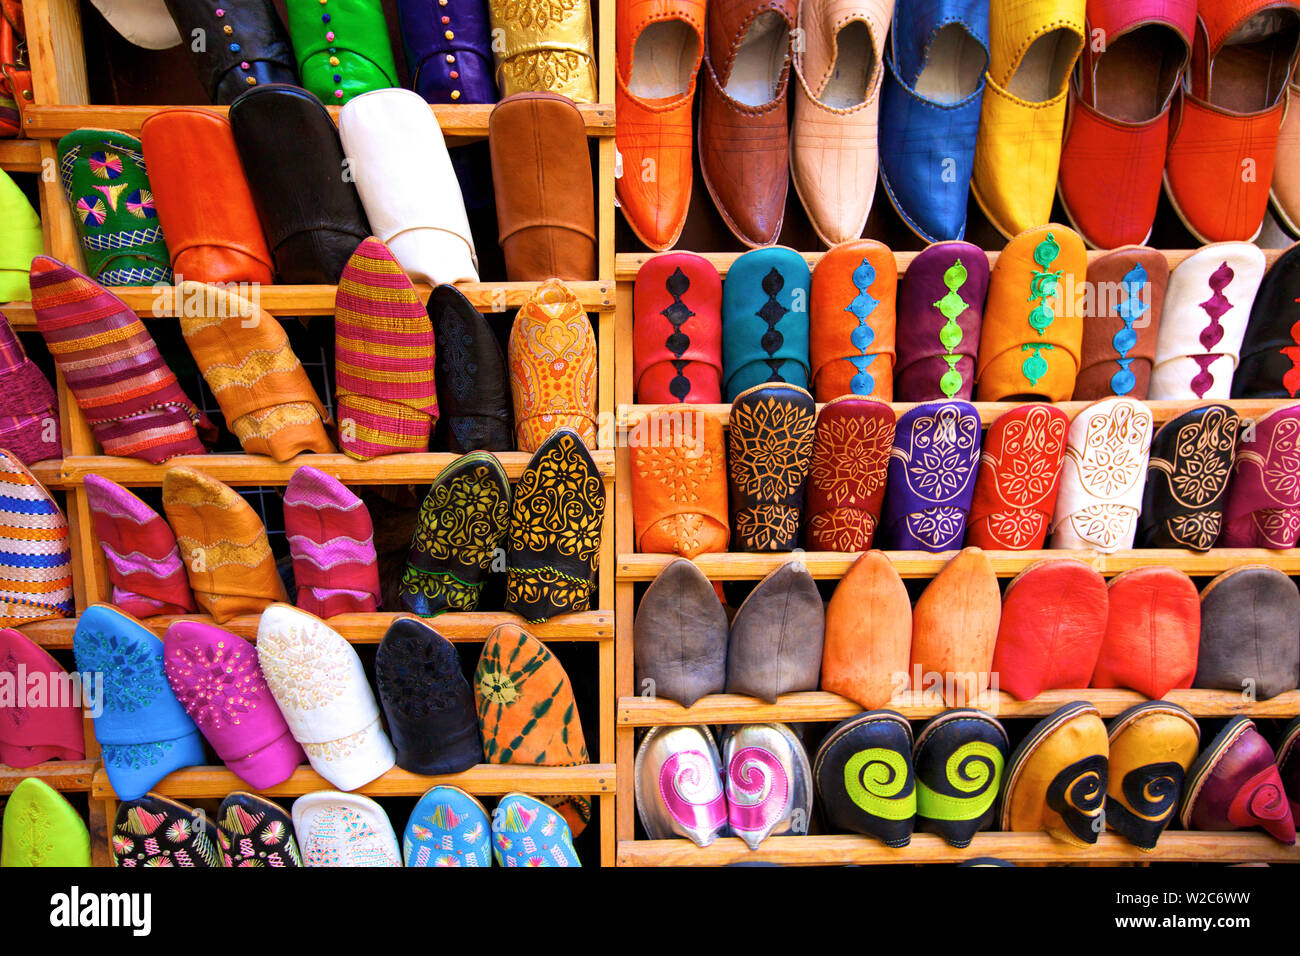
{"x":20,"y":241}
{"x":1032,"y":50}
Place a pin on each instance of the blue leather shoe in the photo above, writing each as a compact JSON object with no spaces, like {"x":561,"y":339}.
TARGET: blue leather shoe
{"x":934,"y":81}
{"x":765,"y":320}
{"x":449,"y":50}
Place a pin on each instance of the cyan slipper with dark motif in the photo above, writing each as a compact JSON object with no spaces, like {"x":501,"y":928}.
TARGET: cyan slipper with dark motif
{"x":865,"y":779}
{"x":959,"y":759}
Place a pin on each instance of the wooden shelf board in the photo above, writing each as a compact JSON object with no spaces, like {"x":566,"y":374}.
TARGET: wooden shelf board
{"x":466,"y":626}
{"x":252,"y":470}
{"x":20,"y":155}
{"x":199,"y":783}
{"x":628,"y":417}
{"x":821,"y":706}
{"x":1176,"y":846}
{"x":68,"y":776}
{"x":468,"y":121}
{"x":833,"y":565}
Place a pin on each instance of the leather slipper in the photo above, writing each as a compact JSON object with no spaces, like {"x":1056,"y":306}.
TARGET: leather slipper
{"x":255,"y":831}
{"x":34,"y":730}
{"x":679,"y":482}
{"x":846,"y":480}
{"x":1187,"y":480}
{"x":955,"y":629}
{"x":150,"y":830}
{"x":1151,"y":747}
{"x":42,"y":829}
{"x":677,"y":330}
{"x":865,"y":780}
{"x":344,"y":829}
{"x":473,"y":381}
{"x":1019,"y":478}
{"x":448,"y":827}
{"x":769,"y":454}
{"x":1250,"y":617}
{"x":868,"y":644}
{"x":678,"y":780}
{"x":959,"y":759}
{"x":1153,"y":632}
{"x":769,"y":782}
{"x":776,"y":638}
{"x":940,"y":312}
{"x":680,"y":636}
{"x":1234,"y":785}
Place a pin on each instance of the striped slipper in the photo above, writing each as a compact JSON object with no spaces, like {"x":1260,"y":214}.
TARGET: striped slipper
{"x":267,"y":400}
{"x":35,"y":564}
{"x":387,"y":400}
{"x":29,"y":421}
{"x":553,"y":367}
{"x":332,"y":540}
{"x":144,"y":566}
{"x":129,"y":396}
{"x":223,"y":543}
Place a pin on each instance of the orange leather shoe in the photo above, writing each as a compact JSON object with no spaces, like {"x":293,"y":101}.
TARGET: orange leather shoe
{"x":1285,"y":194}
{"x":660,"y":45}
{"x":1224,"y":127}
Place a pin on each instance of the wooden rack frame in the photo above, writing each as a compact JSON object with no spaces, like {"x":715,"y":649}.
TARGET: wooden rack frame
{"x":635,"y":712}
{"x":61,"y":104}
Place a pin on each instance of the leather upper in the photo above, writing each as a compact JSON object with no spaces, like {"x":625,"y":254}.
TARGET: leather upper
{"x":471,"y":376}
{"x":680,"y":636}
{"x":455,"y":69}
{"x":1187,"y":482}
{"x":769,"y":453}
{"x":846,"y":484}
{"x":1019,"y":477}
{"x":940,"y":311}
{"x":1270,"y":348}
{"x":775,"y":646}
{"x":246,"y":46}
{"x":955,"y":628}
{"x":544,"y":47}
{"x":1263,"y":507}
{"x":1153,"y":632}
{"x":1152,"y":746}
{"x":868,"y":645}
{"x":677,"y":330}
{"x":1119,"y":338}
{"x":1250,"y":617}
{"x":343,"y":50}
{"x":765,"y":320}
{"x":679,"y":482}
{"x":851,"y":322}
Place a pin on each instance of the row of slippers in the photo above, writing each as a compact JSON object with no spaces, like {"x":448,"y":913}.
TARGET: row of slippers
{"x":1059,"y":626}
{"x":299,"y":695}
{"x":401,"y":369}
{"x":853,"y":476}
{"x":211,"y":553}
{"x":1072,"y":776}
{"x":448,"y":827}
{"x":1043,"y":322}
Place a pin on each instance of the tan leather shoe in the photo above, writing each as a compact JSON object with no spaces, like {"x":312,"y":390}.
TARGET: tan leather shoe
{"x":833,"y":156}
{"x":743,"y":135}
{"x":1285,"y":193}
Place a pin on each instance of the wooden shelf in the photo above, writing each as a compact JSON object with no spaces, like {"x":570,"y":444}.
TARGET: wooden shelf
{"x":821,"y":706}
{"x":469,"y":121}
{"x":300,"y":300}
{"x":464,"y":627}
{"x":1177,"y":846}
{"x":253,"y":470}
{"x":20,"y":155}
{"x":630,"y":416}
{"x":68,"y":776}
{"x":833,"y":565}
{"x":198,"y":783}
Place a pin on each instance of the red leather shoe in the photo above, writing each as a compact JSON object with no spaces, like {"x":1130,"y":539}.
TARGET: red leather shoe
{"x":660,"y":45}
{"x":1224,"y":124}
{"x":1117,"y":130}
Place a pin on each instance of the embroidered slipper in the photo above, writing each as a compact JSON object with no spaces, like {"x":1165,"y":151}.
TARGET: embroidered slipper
{"x":1263,"y":507}
{"x":770,"y":436}
{"x":769,"y":782}
{"x":553,"y":374}
{"x":150,"y":830}
{"x":851,"y":322}
{"x":42,"y":829}
{"x":955,"y":629}
{"x":344,"y":829}
{"x":846,"y":480}
{"x":1056,"y":779}
{"x":473,"y":382}
{"x":776,"y":638}
{"x":865,"y":780}
{"x":765,"y":325}
{"x":527,"y":832}
{"x":319,"y":683}
{"x":555,"y":53}
{"x":455,"y":69}
{"x":1270,"y":352}
{"x":1153,"y":632}
{"x":331,"y":539}
{"x":35,"y":563}
{"x":143,"y":731}
{"x":144,"y":565}
{"x":383,"y":340}
{"x":958,"y":761}
{"x":448,"y":827}
{"x":344,"y":56}
{"x":868,"y":645}
{"x":1119,"y":339}
{"x":218,"y":680}
{"x":931,"y":477}
{"x":29,"y":420}
{"x":20,"y":228}
{"x":460,"y":530}
{"x":556,"y":522}
{"x":940,"y":313}
{"x":1288,"y":765}
{"x":130,"y":398}
{"x":267,"y":400}
{"x":255,"y":48}
{"x":678,"y":780}
{"x":679,"y":482}
{"x":255,"y":831}
{"x":1250,"y":616}
{"x":1052,"y":628}
{"x":680,"y":636}
{"x":223,"y":544}
{"x":1234,"y":785}
{"x":677,"y":330}
{"x":34,"y":730}
{"x":1103,"y":476}
{"x":1151,"y":747}
{"x":107,"y":186}
{"x":1019,"y":479}
{"x":1187,"y":480}
{"x":428,"y":704}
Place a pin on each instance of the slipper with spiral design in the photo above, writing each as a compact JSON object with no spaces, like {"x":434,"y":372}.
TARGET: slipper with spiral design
{"x":1152,"y":745}
{"x":1234,"y":785}
{"x":865,"y":779}
{"x":958,"y":762}
{"x":769,"y":782}
{"x":678,"y":781}
{"x":332,"y":541}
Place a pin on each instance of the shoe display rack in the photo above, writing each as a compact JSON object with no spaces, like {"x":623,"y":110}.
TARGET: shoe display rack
{"x":61,"y":104}
{"x":634,"y":712}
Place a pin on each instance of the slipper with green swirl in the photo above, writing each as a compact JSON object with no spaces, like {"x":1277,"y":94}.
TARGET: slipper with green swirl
{"x":865,"y":780}
{"x":958,"y":760}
